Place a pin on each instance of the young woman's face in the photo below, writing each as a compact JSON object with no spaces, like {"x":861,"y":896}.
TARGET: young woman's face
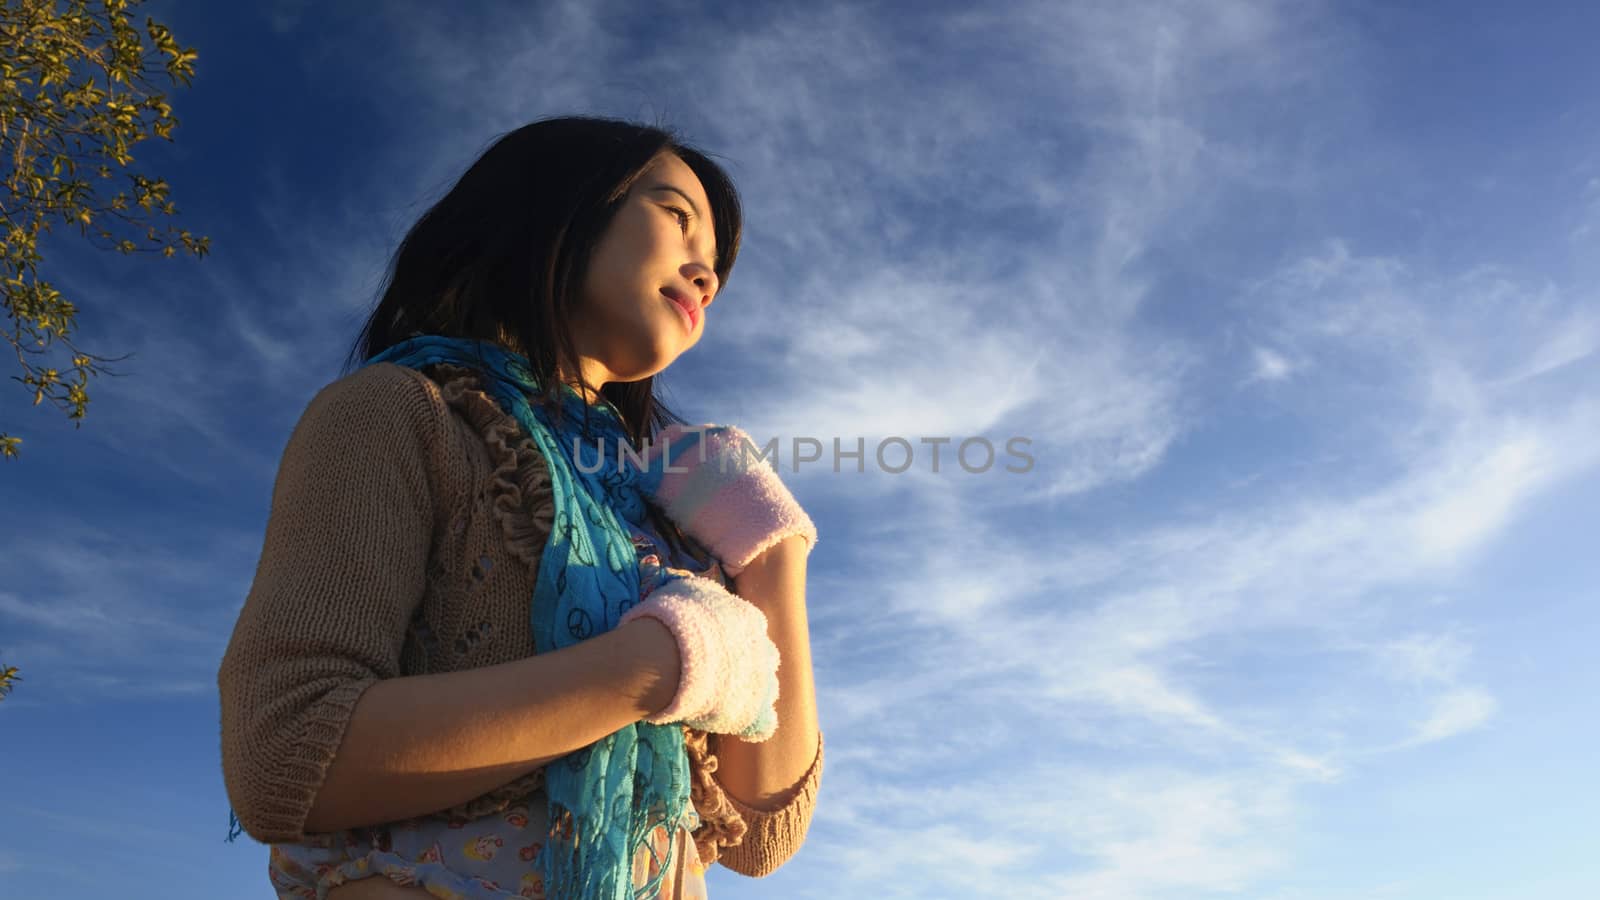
{"x":627,"y":327}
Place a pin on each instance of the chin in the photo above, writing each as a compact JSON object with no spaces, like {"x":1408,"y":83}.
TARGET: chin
{"x":646,"y":368}
{"x":650,"y":357}
{"x":669,"y":352}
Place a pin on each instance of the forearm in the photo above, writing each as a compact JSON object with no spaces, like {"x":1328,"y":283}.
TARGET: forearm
{"x":423,"y":743}
{"x":762,"y":775}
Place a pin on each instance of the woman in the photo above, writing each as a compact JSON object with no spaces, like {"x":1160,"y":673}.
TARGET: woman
{"x":480,"y":659}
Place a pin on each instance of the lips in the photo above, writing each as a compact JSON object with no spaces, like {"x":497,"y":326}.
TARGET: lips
{"x":684,"y":304}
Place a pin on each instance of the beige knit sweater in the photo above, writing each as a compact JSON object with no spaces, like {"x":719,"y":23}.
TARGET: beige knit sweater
{"x":407,"y":521}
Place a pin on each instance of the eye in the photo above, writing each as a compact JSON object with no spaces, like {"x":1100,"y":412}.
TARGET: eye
{"x":684,"y":227}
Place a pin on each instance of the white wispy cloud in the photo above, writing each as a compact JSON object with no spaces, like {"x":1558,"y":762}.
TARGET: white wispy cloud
{"x":1104,"y":656}
{"x":1424,"y":658}
{"x":1453,"y":713}
{"x":101,"y":612}
{"x":1270,"y":365}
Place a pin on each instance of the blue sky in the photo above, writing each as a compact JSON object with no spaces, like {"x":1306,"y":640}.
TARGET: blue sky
{"x":1295,"y":302}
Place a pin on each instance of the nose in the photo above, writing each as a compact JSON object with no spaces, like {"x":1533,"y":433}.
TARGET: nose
{"x":706,"y":286}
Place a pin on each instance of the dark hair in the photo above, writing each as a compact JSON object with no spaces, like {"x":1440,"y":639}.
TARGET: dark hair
{"x":503,"y":256}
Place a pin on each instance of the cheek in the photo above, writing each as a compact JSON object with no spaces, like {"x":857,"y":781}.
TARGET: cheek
{"x":605,"y":293}
{"x":616,"y":272}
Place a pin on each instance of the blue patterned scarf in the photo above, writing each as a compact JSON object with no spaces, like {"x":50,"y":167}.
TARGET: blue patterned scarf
{"x":605,"y":800}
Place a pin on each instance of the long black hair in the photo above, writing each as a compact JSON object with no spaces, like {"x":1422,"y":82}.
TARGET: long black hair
{"x":503,"y":256}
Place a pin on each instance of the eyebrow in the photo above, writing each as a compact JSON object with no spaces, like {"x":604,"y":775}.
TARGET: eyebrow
{"x":667,"y":187}
{"x":679,"y":192}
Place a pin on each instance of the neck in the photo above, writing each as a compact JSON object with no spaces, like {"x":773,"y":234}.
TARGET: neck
{"x":593,"y":374}
{"x":590,"y":394}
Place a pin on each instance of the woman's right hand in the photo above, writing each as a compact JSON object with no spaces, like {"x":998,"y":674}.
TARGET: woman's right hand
{"x":728,"y":682}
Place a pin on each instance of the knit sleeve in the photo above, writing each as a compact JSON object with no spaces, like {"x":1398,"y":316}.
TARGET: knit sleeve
{"x":750,"y":841}
{"x":342,"y":569}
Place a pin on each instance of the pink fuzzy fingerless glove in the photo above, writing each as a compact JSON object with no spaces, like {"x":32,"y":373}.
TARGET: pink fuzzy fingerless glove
{"x":713,"y":482}
{"x":729,"y":666}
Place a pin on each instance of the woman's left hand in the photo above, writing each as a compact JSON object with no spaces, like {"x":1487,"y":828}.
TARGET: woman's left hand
{"x":714,"y":483}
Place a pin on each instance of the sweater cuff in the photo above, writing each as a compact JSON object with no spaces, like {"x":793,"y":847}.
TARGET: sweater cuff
{"x":774,"y":835}
{"x":287,"y":794}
